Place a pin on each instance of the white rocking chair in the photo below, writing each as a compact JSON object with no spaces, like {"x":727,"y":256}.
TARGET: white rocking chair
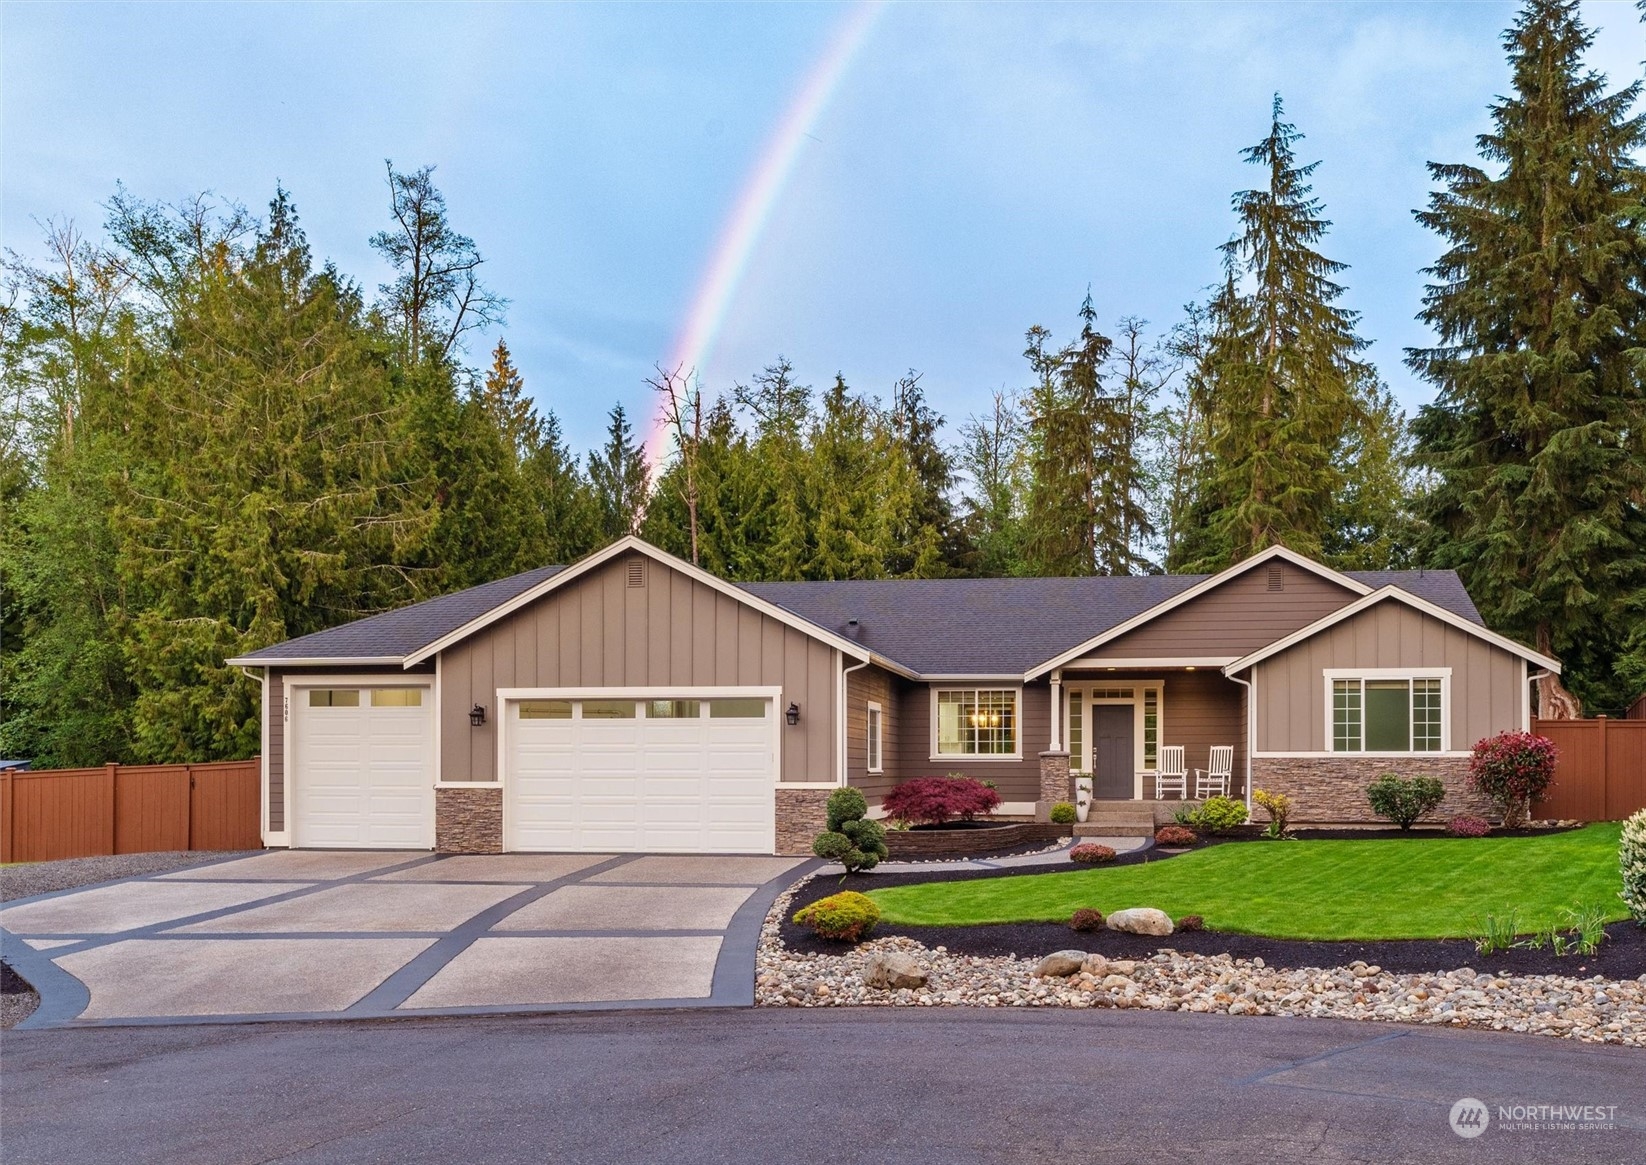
{"x":1213,"y":780}
{"x":1170,"y":775}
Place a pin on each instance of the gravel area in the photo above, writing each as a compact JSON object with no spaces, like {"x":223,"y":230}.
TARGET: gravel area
{"x":30,"y":878}
{"x":1594,"y":1009}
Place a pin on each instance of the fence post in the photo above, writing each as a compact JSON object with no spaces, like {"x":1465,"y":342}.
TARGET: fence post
{"x":1605,"y":771}
{"x":113,"y":772}
{"x":8,"y":838}
{"x":188,"y":773}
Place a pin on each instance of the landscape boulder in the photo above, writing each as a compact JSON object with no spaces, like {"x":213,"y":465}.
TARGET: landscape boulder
{"x":893,"y":970}
{"x":1060,"y":964}
{"x":1140,"y":920}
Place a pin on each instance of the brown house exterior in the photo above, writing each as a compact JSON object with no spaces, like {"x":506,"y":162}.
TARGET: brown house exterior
{"x":635,"y":702}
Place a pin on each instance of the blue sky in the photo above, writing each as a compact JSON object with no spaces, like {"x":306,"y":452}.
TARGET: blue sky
{"x":977,"y":168}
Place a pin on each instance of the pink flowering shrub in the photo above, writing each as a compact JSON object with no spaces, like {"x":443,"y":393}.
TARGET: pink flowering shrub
{"x":1091,"y":853}
{"x":1468,"y":825}
{"x":939,"y":800}
{"x":1513,"y":769}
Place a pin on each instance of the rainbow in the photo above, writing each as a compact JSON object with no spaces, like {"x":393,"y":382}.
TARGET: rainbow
{"x":734,"y":247}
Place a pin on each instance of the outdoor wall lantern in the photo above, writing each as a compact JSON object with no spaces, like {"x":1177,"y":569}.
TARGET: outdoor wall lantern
{"x":793,"y":714}
{"x":477,"y":715}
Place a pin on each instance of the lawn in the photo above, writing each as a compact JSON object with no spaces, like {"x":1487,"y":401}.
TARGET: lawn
{"x":1405,"y":888}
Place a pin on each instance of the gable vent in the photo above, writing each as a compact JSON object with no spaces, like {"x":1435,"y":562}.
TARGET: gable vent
{"x":1277,"y":577}
{"x":637,"y":572}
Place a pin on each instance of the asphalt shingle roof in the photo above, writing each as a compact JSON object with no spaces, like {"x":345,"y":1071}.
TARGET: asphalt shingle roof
{"x":987,"y":626}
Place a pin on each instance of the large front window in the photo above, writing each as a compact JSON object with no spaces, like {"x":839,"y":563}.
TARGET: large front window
{"x":1387,"y":714}
{"x":977,"y":722}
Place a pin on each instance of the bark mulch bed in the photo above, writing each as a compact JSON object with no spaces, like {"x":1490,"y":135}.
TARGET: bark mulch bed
{"x":1621,"y":956}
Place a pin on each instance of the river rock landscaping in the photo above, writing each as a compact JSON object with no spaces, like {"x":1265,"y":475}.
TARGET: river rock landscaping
{"x":1594,"y":1009}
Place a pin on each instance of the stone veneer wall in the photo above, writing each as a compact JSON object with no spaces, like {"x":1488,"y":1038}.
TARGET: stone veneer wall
{"x":468,"y":821}
{"x":1333,"y":789}
{"x":802,"y":814}
{"x":1055,"y":783}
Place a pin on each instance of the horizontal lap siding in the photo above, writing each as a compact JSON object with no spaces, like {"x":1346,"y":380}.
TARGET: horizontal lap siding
{"x":1016,"y":780}
{"x":1200,"y":710}
{"x":862,"y":686}
{"x":1234,"y":619}
{"x":674,"y":632}
{"x":1291,"y":701}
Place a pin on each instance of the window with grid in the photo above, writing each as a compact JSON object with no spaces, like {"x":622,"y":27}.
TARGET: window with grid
{"x":1387,"y":715}
{"x":1077,"y":729}
{"x":1151,"y":728}
{"x":977,"y":722}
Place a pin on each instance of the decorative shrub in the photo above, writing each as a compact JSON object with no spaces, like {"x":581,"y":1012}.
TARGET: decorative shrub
{"x":1175,"y":835}
{"x":1084,"y":919}
{"x":1468,"y":825}
{"x":846,"y":916}
{"x":1513,"y":769}
{"x":1091,"y":853}
{"x":1403,"y":802}
{"x":1191,"y":922}
{"x":1063,"y":813}
{"x":851,"y":839}
{"x":939,"y":800}
{"x":1631,"y":856}
{"x":1218,"y":815}
{"x":1279,"y":808}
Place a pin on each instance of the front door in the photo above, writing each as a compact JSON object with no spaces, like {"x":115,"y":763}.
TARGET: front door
{"x":1112,"y":757}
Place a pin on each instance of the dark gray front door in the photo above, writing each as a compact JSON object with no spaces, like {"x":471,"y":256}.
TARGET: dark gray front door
{"x":1112,"y":777}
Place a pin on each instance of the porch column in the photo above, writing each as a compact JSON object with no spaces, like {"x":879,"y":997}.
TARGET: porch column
{"x":1057,"y":712}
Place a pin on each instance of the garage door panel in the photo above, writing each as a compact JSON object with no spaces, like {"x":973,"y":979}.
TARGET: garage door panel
{"x":362,"y":776}
{"x":670,"y":783}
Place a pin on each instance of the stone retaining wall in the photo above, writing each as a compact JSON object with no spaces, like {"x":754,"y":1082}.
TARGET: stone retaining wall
{"x":1332,"y":790}
{"x":468,"y":821}
{"x":963,"y":843}
{"x":1055,"y":783}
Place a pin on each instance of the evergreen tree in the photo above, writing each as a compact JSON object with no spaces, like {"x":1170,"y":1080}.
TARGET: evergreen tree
{"x":851,"y":503}
{"x":1281,"y":372}
{"x":781,"y":412}
{"x":927,"y":540}
{"x":1537,"y":436}
{"x":561,"y":497}
{"x":1371,"y":526}
{"x":990,"y":456}
{"x":620,"y":479}
{"x":510,"y":409}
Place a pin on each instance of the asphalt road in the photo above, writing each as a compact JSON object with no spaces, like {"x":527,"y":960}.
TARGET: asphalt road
{"x":829,"y":1087}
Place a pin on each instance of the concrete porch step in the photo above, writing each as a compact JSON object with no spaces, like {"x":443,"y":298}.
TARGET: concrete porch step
{"x":1118,"y":828}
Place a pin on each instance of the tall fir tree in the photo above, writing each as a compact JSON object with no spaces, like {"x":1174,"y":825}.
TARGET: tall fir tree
{"x":990,"y":456}
{"x":1537,"y":435}
{"x":510,"y":409}
{"x":620,"y":479}
{"x":1282,"y":370}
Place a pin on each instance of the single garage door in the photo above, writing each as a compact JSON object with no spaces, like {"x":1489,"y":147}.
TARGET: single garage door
{"x":363,"y":775}
{"x":661,"y":775}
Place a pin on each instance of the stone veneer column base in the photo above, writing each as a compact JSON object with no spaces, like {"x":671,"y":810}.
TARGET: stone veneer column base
{"x":1055,"y":783}
{"x":1332,"y":790}
{"x":468,"y":821}
{"x":802,"y":814}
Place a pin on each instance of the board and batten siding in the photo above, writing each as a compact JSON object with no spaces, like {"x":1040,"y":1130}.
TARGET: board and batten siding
{"x":1015,"y":780}
{"x":875,"y":684}
{"x":1486,"y":681}
{"x":598,"y":631}
{"x":1236,"y":618}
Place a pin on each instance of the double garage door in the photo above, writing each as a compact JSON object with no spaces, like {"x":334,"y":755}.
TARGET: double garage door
{"x":670,"y":772}
{"x":663,"y":774}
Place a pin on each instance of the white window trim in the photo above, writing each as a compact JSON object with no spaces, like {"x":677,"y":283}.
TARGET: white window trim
{"x":978,"y":758}
{"x":1443,"y":674}
{"x":874,"y":738}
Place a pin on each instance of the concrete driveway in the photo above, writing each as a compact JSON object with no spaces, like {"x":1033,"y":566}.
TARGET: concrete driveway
{"x":318,"y":934}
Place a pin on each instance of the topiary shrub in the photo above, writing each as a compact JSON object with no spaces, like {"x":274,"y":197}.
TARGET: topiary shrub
{"x":1631,"y":857}
{"x":851,"y":839}
{"x":1091,"y":853}
{"x":1513,"y":769}
{"x":1218,"y":815}
{"x":1175,"y":835}
{"x":940,"y":800}
{"x":1403,"y":802}
{"x":1279,"y":808}
{"x":1190,"y":922}
{"x":844,"y":917}
{"x":1084,"y":919}
{"x":1468,"y":825}
{"x":1063,"y":813}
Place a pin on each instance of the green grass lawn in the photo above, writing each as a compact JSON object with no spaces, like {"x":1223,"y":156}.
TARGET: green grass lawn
{"x":1408,"y":888}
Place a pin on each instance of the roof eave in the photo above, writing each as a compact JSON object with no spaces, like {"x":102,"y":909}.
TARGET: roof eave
{"x":318,"y":661}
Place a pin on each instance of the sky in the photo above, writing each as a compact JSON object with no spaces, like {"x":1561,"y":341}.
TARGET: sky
{"x":861,"y":188}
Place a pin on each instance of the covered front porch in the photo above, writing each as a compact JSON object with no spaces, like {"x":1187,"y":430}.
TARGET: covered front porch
{"x":1117,"y":726}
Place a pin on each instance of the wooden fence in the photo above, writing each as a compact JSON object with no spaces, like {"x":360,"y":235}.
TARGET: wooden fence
{"x":126,"y":809}
{"x":1601,"y":774}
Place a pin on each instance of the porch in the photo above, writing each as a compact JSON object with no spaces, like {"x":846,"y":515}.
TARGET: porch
{"x":1115,"y":725}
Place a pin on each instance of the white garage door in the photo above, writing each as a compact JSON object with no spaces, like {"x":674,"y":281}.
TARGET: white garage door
{"x":665,"y":775}
{"x":363,"y":773}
